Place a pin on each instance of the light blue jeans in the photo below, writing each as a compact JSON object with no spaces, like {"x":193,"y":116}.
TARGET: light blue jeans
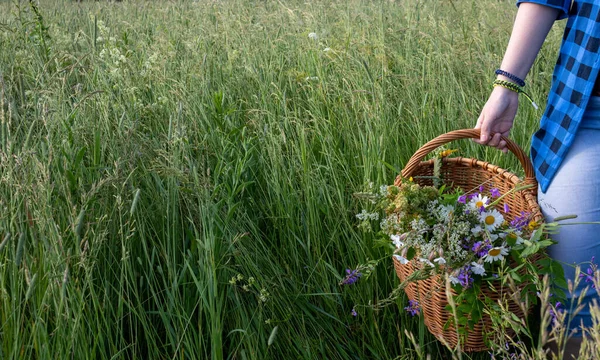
{"x":575,"y":190}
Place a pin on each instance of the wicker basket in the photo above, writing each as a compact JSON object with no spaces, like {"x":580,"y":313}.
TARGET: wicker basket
{"x":466,"y":174}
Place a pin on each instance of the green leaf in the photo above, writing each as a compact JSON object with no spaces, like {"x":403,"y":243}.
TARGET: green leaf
{"x":410,"y":254}
{"x":515,"y":276}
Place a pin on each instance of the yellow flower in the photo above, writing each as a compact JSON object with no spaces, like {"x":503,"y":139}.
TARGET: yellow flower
{"x":447,"y":152}
{"x":533,"y":225}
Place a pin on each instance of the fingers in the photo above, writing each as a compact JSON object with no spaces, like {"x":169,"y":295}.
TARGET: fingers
{"x":487,"y":137}
{"x":495,"y":140}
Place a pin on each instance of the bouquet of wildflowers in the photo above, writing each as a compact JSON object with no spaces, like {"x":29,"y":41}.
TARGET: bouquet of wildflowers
{"x":465,"y":237}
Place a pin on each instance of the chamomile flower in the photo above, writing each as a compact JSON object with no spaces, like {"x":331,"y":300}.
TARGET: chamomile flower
{"x":478,"y":202}
{"x":496,"y":253}
{"x":491,"y":219}
{"x":477,"y":269}
{"x":401,"y":259}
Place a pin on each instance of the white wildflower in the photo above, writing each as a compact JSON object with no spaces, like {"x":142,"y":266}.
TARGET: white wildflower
{"x":397,"y":240}
{"x":401,"y":259}
{"x":313,"y":36}
{"x":426,"y":261}
{"x":453,"y":279}
{"x":439,"y":261}
{"x":477,"y":269}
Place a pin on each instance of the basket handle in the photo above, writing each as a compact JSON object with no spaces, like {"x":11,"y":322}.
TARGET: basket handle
{"x":419,"y":155}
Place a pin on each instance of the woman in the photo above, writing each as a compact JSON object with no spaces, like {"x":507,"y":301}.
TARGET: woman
{"x":565,"y":150}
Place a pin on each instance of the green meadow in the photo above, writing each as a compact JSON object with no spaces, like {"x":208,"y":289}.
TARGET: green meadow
{"x":177,"y":177}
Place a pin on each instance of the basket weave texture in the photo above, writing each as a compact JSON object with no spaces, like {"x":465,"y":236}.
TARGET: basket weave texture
{"x":467,"y":174}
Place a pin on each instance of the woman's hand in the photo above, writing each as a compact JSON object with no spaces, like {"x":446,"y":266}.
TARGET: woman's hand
{"x":497,"y":116}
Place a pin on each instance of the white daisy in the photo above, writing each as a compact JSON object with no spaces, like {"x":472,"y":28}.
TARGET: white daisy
{"x":401,"y":259}
{"x":496,"y":253}
{"x":439,"y":261}
{"x":397,"y":240}
{"x":491,"y":219}
{"x":478,"y":202}
{"x":477,"y":269}
{"x":426,"y":261}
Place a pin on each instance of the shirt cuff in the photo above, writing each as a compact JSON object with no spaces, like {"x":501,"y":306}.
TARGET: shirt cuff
{"x":562,"y":5}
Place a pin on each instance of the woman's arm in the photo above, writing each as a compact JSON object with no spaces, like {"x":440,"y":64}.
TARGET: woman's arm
{"x":532,"y":24}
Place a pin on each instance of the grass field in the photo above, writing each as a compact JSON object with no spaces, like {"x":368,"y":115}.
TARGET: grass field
{"x":152,"y":151}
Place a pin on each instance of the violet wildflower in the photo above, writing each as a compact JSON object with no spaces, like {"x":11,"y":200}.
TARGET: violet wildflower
{"x":554,"y":314}
{"x":481,"y":248}
{"x":495,"y":192}
{"x":506,"y":208}
{"x":521,"y":221}
{"x":589,"y":274}
{"x":465,"y":277}
{"x":413,"y":307}
{"x":353,"y":312}
{"x":462,"y":199}
{"x":481,"y":188}
{"x":351,"y":277}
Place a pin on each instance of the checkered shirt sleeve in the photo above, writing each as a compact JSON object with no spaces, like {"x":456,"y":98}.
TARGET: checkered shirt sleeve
{"x":572,"y":83}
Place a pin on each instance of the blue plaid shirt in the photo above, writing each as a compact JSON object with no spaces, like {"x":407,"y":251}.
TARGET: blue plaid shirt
{"x":572,"y":83}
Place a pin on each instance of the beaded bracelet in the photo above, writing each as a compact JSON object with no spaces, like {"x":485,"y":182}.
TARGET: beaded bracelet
{"x":516,"y":88}
{"x":514,"y":78}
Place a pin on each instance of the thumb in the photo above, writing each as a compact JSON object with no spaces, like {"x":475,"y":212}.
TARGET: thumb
{"x":484,"y":137}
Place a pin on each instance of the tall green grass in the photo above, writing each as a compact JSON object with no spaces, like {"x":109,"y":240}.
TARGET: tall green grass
{"x":176,"y":178}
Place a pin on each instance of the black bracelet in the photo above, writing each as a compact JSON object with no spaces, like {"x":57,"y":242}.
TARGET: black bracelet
{"x":514,"y":78}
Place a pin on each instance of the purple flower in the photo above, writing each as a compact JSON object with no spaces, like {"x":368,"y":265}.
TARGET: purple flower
{"x":589,"y":274}
{"x":462,"y":199}
{"x":495,"y":192}
{"x":465,"y":277}
{"x":554,"y":314}
{"x":354,"y":313}
{"x":351,"y":277}
{"x":481,"y":188}
{"x":506,"y":208}
{"x":413,"y":307}
{"x":481,"y":248}
{"x":521,"y":221}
